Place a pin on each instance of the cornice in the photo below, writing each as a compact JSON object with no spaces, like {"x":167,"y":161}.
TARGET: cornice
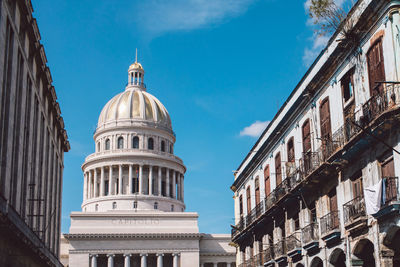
{"x":133,"y":236}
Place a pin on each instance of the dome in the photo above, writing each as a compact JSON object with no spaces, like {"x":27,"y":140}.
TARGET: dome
{"x":137,"y":105}
{"x":136,"y":65}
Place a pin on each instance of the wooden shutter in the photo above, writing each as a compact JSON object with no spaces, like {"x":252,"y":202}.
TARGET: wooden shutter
{"x":257,"y":190}
{"x":357,"y":186}
{"x":248,"y":196}
{"x":267,"y":181}
{"x":278,"y":169}
{"x":376,"y":68}
{"x":388,"y":168}
{"x":306,"y":137}
{"x":241,"y":205}
{"x":333,"y":207}
{"x":326,"y":133}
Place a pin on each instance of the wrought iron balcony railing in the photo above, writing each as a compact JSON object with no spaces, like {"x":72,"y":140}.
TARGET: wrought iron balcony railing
{"x":354,"y":209}
{"x":329,"y":222}
{"x":282,"y":189}
{"x":279,"y":248}
{"x":293,"y":242}
{"x":310,"y":233}
{"x":268,"y":254}
{"x":310,"y":162}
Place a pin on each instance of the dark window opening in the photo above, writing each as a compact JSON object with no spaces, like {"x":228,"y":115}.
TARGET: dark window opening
{"x":150,"y":144}
{"x":120,"y":143}
{"x":347,"y":86}
{"x":135,"y":142}
{"x":278,"y":169}
{"x":162,"y":146}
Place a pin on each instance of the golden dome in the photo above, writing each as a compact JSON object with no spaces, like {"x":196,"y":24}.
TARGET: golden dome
{"x":136,"y":66}
{"x":134,"y":105}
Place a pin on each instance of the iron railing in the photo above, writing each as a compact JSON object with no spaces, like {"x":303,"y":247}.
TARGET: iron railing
{"x":268,"y":254}
{"x":310,"y":162}
{"x":238,"y":227}
{"x":270,"y":200}
{"x":293,"y":242}
{"x":282,"y":189}
{"x":258,"y":259}
{"x":279,"y":248}
{"x":310,"y":233}
{"x":391,"y":190}
{"x":329,"y":222}
{"x":354,"y":209}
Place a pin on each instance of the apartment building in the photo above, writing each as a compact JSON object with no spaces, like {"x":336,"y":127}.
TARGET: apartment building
{"x":320,"y":186}
{"x":32,"y":143}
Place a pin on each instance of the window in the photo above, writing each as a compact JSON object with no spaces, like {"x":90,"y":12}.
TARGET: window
{"x":114,"y":205}
{"x":120,"y":142}
{"x":241,"y":205}
{"x":290,"y":150}
{"x":155,"y":205}
{"x":106,"y":188}
{"x":172,"y":207}
{"x":162,"y":146}
{"x":326,"y":134}
{"x":135,"y":204}
{"x":150,"y":144}
{"x":257,"y":190}
{"x":347,"y":86}
{"x":357,"y":185}
{"x":170,"y":149}
{"x":267,"y":181}
{"x":96,"y":207}
{"x":98,"y":146}
{"x":376,"y":68}
{"x":313,"y":211}
{"x":278,"y":169}
{"x":248,"y":196}
{"x":107,"y":144}
{"x":306,"y":136}
{"x":135,"y":142}
{"x":296,"y":221}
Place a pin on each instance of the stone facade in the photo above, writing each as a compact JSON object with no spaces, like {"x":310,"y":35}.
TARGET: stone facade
{"x":320,"y":187}
{"x":133,"y":210}
{"x":32,"y":143}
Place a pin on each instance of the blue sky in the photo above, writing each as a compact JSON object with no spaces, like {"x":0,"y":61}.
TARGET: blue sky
{"x":222,"y":68}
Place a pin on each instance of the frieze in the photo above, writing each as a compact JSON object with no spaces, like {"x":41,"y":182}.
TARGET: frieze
{"x":132,"y":236}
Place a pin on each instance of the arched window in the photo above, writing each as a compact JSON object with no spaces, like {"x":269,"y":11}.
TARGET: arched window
{"x":135,"y":204}
{"x":290,"y":150}
{"x":120,"y":142}
{"x":278,"y":169}
{"x":107,"y":144}
{"x":162,"y":146}
{"x":150,"y":144}
{"x":98,"y":146}
{"x":248,"y":198}
{"x":114,"y":205}
{"x":96,"y":207}
{"x":170,"y":149}
{"x":267,"y":181}
{"x":257,"y":190}
{"x":135,"y":142}
{"x":305,"y":130}
{"x":155,"y":205}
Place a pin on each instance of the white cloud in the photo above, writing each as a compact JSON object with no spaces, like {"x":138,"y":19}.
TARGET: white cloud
{"x":160,"y":16}
{"x":310,"y":54}
{"x":254,"y":130}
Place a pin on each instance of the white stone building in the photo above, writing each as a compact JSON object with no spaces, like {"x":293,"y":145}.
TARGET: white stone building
{"x":320,"y":187}
{"x":133,"y":210}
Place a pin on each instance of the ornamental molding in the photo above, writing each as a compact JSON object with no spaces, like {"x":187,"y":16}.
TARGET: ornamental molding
{"x":133,"y":236}
{"x":220,"y":254}
{"x":133,"y":251}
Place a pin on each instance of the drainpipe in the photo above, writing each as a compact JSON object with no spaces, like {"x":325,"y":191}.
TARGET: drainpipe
{"x":394,"y":19}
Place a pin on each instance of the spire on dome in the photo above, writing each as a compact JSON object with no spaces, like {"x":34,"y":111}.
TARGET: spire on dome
{"x":136,"y":75}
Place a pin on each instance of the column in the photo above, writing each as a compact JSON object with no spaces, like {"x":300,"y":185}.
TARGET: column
{"x":120,"y":180}
{"x":174,"y":185}
{"x":95,"y":183}
{"x":228,"y":264}
{"x":90,"y":190}
{"x":127,"y":260}
{"x":167,"y":184}
{"x":85,"y":178}
{"x":102,"y":183}
{"x":176,"y":259}
{"x":110,"y":262}
{"x":182,"y":188}
{"x":140,"y":179}
{"x":159,"y":181}
{"x":111,"y":182}
{"x":143,"y":260}
{"x":94,"y":260}
{"x":130,"y":180}
{"x":150,"y":180}
{"x":159,"y":260}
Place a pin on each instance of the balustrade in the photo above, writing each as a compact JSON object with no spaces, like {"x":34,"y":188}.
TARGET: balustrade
{"x":310,"y":233}
{"x":293,"y":242}
{"x":354,"y":209}
{"x":279,"y":248}
{"x":329,"y":222}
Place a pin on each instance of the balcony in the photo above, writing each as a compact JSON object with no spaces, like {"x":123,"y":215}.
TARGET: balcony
{"x":293,"y":245}
{"x":268,"y":254}
{"x":280,"y":250}
{"x":354,"y":214}
{"x":330,"y":231}
{"x":310,"y":236}
{"x":258,"y":259}
{"x":390,"y":198}
{"x":237,"y":228}
{"x":310,"y":162}
{"x":282,"y":189}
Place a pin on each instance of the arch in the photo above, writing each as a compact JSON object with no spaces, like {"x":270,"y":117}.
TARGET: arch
{"x":135,"y":142}
{"x":162,"y":146}
{"x":337,"y":258}
{"x":120,"y":142}
{"x":317,"y":262}
{"x":299,"y":265}
{"x":107,"y":144}
{"x":364,"y":250}
{"x":392,"y":238}
{"x":150,"y":144}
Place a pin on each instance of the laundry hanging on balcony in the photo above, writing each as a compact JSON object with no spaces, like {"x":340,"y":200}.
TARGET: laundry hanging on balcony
{"x":373,"y":198}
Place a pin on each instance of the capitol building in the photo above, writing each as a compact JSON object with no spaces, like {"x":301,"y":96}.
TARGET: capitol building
{"x":133,"y":209}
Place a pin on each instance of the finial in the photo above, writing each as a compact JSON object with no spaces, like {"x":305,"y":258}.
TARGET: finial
{"x":136,"y":56}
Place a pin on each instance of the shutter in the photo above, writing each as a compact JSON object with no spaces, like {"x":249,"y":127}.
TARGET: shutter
{"x":290,"y":149}
{"x":257,"y":186}
{"x":357,"y":188}
{"x":278,"y":169}
{"x":376,"y":68}
{"x":267,"y":181}
{"x":248,"y":200}
{"x":388,"y":168}
{"x":325,"y":127}
{"x":306,"y":137}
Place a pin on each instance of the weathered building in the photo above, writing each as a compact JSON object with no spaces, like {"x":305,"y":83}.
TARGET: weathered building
{"x":320,"y":186}
{"x":32,"y":144}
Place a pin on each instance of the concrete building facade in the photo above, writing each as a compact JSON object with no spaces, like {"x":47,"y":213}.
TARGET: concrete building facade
{"x":133,"y":210}
{"x":320,"y":186}
{"x":32,"y":143}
